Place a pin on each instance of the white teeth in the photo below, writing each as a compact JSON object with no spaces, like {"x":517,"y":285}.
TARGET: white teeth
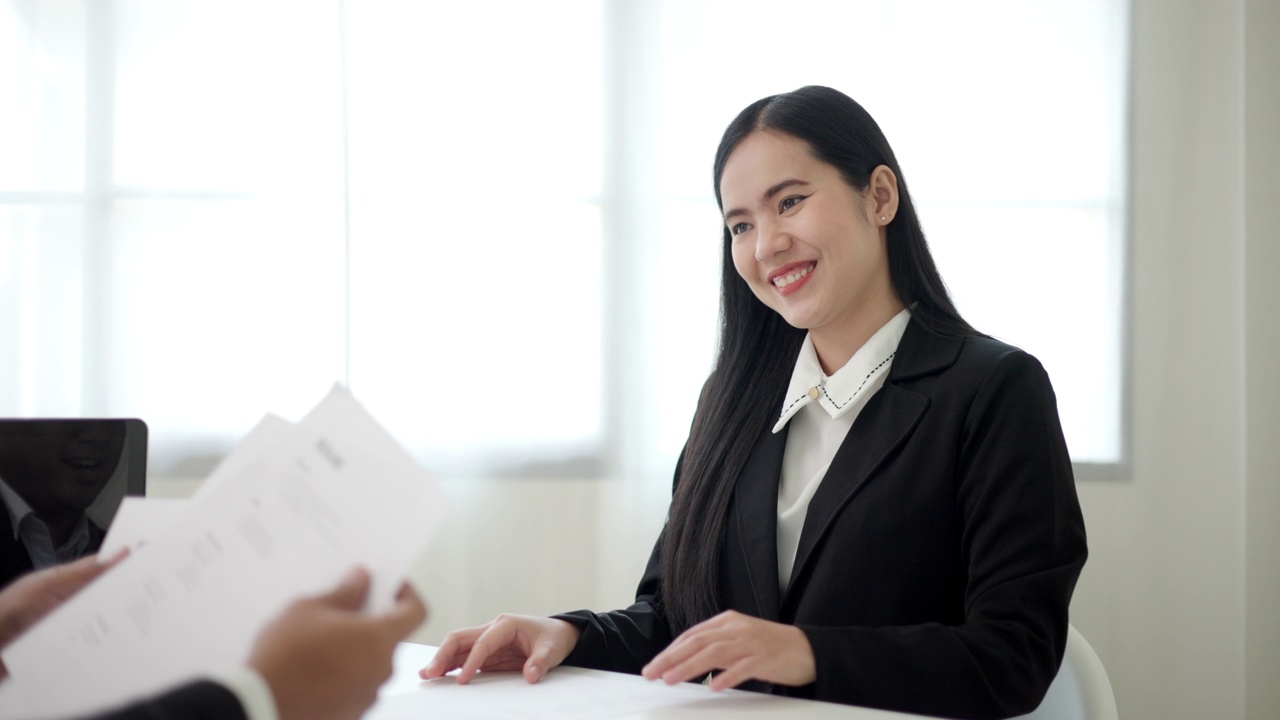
{"x":785,"y":280}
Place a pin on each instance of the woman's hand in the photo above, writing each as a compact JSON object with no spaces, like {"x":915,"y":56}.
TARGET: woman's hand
{"x":532,"y":645}
{"x":743,"y":647}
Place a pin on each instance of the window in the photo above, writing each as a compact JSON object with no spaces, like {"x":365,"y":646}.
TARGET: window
{"x":494,"y":220}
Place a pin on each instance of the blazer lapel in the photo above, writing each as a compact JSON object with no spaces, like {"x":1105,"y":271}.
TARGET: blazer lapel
{"x":887,"y":421}
{"x":755,"y":503}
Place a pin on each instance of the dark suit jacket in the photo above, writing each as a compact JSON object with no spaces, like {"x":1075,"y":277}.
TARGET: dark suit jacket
{"x":203,"y":700}
{"x":938,"y":556}
{"x":14,"y":559}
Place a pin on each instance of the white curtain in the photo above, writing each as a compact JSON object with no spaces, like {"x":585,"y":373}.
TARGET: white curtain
{"x":494,"y":219}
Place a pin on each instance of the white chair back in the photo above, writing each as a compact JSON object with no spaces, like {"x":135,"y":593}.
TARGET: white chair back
{"x":1081,"y":690}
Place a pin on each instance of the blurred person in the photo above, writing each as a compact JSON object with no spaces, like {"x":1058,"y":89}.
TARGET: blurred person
{"x":50,"y":474}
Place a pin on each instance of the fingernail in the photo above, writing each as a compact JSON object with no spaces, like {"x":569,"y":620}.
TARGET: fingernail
{"x":355,"y":578}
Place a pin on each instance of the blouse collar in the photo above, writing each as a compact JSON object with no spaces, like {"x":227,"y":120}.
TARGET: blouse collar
{"x":839,"y":392}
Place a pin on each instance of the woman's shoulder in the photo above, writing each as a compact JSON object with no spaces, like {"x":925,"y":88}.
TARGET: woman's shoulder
{"x":922,"y":350}
{"x":971,"y":360}
{"x":988,"y":349}
{"x":996,"y":364}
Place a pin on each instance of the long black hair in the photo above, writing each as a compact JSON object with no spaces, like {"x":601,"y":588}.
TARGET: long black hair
{"x":758,"y":348}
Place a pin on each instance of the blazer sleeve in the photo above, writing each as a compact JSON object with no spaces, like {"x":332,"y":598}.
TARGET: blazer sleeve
{"x":1022,"y":544}
{"x":200,"y":700}
{"x":624,"y":640}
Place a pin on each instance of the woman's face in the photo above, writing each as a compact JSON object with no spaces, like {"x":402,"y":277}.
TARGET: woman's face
{"x":807,"y":243}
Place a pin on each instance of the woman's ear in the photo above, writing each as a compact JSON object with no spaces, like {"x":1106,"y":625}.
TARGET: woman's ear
{"x":882,"y":191}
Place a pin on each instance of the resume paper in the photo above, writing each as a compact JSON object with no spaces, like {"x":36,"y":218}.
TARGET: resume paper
{"x":287,"y":514}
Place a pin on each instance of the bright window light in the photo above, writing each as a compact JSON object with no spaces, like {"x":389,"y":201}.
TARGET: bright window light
{"x":494,"y":220}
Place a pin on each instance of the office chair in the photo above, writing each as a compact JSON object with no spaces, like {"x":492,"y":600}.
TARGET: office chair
{"x":1081,"y":691}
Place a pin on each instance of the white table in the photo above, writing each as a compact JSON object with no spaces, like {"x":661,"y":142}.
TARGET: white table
{"x":570,"y":693}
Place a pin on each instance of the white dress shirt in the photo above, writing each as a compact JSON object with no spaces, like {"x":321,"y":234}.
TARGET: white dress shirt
{"x":821,"y":410}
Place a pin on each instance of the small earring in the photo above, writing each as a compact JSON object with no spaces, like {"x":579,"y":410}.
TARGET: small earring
{"x":884,"y":219}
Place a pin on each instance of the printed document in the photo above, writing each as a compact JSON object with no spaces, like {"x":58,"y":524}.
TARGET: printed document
{"x":291,"y":511}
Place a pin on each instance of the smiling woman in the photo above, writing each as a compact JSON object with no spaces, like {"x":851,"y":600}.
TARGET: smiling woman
{"x":875,"y":504}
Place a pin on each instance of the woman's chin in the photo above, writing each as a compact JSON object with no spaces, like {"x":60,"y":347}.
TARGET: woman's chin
{"x":799,"y":318}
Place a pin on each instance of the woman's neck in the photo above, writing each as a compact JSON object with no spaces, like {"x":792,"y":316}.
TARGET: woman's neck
{"x":836,"y":346}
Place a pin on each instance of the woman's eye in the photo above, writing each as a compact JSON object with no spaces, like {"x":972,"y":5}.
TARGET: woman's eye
{"x":739,"y":228}
{"x":788,"y":203}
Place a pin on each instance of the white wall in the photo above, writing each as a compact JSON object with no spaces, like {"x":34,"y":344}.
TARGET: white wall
{"x":1182,"y":590}
{"x":1262,"y":360}
{"x":536,"y":547}
{"x":1184,"y":545}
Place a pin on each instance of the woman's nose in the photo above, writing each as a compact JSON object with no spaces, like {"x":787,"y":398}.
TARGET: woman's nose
{"x":771,"y":240}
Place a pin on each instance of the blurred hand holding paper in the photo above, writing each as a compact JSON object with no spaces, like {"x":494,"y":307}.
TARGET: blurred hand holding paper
{"x":293,"y":509}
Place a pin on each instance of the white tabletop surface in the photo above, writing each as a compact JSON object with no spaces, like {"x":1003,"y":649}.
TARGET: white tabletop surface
{"x":569,"y":693}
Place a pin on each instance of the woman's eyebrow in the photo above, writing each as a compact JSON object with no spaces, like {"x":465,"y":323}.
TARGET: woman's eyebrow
{"x":767,"y":196}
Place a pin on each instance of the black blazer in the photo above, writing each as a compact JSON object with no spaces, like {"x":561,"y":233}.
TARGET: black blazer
{"x":938,"y":556}
{"x":201,"y":700}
